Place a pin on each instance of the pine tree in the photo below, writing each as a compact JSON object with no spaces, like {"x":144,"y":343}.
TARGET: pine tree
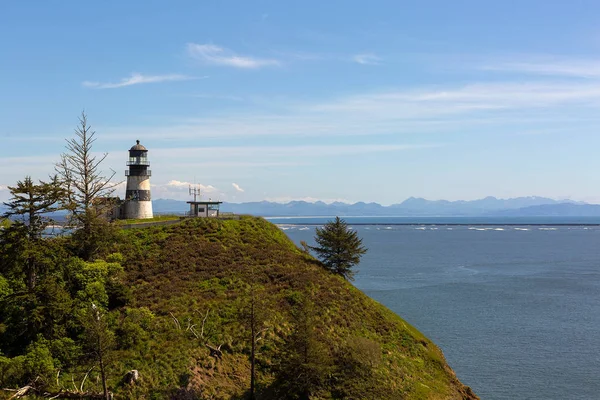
{"x":306,"y":366}
{"x":21,"y":242}
{"x":339,"y":248}
{"x":30,"y":201}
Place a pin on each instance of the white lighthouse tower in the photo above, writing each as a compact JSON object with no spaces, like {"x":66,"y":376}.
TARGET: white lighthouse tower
{"x":138,"y":203}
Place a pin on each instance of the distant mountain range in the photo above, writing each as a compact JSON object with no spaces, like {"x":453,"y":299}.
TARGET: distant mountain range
{"x":412,"y":207}
{"x":489,"y":206}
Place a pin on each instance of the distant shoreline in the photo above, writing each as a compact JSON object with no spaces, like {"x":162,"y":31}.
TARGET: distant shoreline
{"x":439,"y":224}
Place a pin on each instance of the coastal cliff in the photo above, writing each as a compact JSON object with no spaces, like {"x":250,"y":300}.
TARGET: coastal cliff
{"x":208,"y":273}
{"x":199,"y":298}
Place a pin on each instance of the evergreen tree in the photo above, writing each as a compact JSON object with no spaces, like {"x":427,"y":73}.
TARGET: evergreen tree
{"x":30,"y":201}
{"x":339,"y":248}
{"x":21,"y":242}
{"x":100,"y":341}
{"x":306,"y":366}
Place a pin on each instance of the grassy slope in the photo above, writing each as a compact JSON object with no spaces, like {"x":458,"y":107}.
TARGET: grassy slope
{"x":207,"y":266}
{"x":158,"y":218}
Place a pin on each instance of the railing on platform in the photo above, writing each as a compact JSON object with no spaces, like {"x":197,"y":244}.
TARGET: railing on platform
{"x":139,"y":173}
{"x":138,"y":161}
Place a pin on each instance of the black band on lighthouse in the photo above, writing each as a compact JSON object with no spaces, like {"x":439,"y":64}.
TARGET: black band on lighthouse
{"x":139,"y":195}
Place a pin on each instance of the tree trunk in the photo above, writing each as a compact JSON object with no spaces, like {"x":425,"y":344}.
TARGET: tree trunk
{"x":102,"y":372}
{"x":253,"y":348}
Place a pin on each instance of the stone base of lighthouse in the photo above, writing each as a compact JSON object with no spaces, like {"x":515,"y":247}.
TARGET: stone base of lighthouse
{"x":138,"y":204}
{"x":134,"y":209}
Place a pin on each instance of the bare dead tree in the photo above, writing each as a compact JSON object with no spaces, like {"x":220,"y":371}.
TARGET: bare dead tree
{"x":87,"y":189}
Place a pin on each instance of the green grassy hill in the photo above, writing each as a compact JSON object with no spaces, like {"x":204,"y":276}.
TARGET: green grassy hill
{"x":199,"y":280}
{"x":182,"y":303}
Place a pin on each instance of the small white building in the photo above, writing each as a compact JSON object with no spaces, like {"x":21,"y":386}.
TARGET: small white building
{"x":204,"y":209}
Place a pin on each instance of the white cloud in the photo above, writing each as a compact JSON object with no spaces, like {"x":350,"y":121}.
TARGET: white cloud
{"x":237,"y":187}
{"x":250,"y":153}
{"x":398,"y":111}
{"x":550,"y":66}
{"x":367,"y":59}
{"x":174,"y":184}
{"x":3,"y":187}
{"x":215,"y":55}
{"x":118,"y":185}
{"x":138,"y":79}
{"x":179,"y":190}
{"x":466,"y":99}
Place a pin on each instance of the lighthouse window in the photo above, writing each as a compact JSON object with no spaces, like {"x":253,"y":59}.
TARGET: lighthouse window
{"x":200,"y":209}
{"x":138,"y":161}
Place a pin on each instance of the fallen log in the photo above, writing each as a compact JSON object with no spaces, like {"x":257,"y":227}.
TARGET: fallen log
{"x":62,"y":394}
{"x":67,"y":394}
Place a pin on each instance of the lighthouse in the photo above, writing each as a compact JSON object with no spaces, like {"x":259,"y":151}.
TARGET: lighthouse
{"x":138,"y":203}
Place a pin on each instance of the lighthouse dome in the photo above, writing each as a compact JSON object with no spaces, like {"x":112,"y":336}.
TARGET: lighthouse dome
{"x":138,"y":147}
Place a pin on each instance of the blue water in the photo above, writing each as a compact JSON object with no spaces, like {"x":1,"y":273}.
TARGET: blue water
{"x":444,"y":220}
{"x":516,"y":309}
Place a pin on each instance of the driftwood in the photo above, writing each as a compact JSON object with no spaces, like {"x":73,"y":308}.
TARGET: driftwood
{"x":203,"y":321}
{"x":67,"y":394}
{"x":63,"y":394}
{"x":177,"y":324}
{"x":21,"y":392}
{"x":215,"y":351}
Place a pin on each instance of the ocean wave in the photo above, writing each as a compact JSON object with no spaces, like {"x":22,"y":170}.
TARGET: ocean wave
{"x":548,"y":229}
{"x":470,"y":271}
{"x":522,"y":229}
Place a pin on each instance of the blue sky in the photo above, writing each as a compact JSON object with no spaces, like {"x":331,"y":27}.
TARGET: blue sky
{"x":337,"y":100}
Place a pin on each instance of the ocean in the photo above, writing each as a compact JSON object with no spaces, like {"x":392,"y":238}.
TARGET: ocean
{"x":514,"y":305}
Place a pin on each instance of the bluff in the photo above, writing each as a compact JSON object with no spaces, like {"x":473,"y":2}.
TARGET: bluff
{"x":201,"y":279}
{"x":189,"y":301}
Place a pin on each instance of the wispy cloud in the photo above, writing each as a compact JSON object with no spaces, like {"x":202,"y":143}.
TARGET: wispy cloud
{"x":218,"y":97}
{"x":138,"y":79}
{"x":549,"y":66}
{"x":511,"y":105}
{"x":215,"y":55}
{"x":179,"y":190}
{"x":468,"y":98}
{"x":367,"y":59}
{"x":236,"y":160}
